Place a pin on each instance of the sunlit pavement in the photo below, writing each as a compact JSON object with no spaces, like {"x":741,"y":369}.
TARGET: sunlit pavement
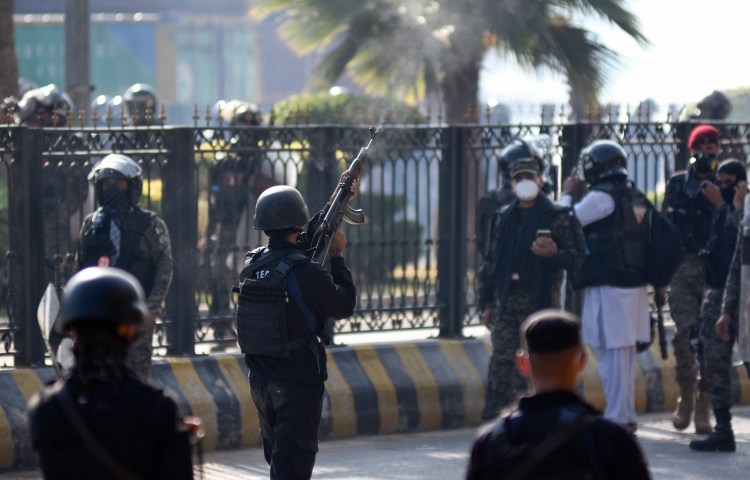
{"x":443,"y":455}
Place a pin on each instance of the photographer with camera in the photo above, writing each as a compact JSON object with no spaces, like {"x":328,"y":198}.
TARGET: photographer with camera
{"x":532,"y":240}
{"x":689,"y":202}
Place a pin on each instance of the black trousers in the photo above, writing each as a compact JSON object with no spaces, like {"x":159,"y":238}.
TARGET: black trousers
{"x":289,"y":415}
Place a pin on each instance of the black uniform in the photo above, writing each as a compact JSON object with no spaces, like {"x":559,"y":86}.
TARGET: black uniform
{"x":600,"y":450}
{"x":137,"y":425}
{"x":288,"y":392}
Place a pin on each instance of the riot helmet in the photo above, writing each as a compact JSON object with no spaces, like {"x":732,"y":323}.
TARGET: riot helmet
{"x":39,"y":106}
{"x":238,"y":112}
{"x":140,"y":101}
{"x":103,"y":295}
{"x":516,"y":151}
{"x":603,"y":159}
{"x":279,"y":208}
{"x":116,"y":165}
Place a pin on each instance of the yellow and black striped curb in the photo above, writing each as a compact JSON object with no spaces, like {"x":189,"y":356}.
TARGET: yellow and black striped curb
{"x":372,"y":389}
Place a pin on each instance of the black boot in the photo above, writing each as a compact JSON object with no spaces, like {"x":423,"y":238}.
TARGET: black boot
{"x":722,"y":438}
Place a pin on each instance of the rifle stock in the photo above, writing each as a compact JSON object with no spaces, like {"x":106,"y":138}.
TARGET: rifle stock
{"x":338,"y":208}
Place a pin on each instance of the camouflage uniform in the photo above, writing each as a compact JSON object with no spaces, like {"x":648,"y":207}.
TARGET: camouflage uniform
{"x":685,"y":298}
{"x":504,"y":382}
{"x":153,"y":247}
{"x":693,"y":216}
{"x":716,"y":355}
{"x":730,"y":304}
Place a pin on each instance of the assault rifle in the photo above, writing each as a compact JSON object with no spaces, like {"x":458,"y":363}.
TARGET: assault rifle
{"x":338,"y":208}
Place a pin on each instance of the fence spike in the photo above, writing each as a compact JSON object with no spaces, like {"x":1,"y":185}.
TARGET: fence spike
{"x":196,"y":115}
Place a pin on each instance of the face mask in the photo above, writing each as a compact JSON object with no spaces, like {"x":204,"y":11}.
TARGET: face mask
{"x":728,"y":194}
{"x":527,"y":190}
{"x":115,"y":199}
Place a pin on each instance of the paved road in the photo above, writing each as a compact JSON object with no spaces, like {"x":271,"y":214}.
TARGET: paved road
{"x":443,"y":455}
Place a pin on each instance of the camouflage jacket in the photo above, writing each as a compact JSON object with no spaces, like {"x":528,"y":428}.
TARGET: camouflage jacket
{"x":150,"y":253}
{"x":731,"y":301}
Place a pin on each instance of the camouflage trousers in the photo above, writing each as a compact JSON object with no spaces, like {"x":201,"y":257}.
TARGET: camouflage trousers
{"x":504,"y":383}
{"x":139,"y":353}
{"x":716,"y":358}
{"x":685,"y":298}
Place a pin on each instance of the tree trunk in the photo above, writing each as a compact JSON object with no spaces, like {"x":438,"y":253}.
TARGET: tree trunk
{"x":460,"y":88}
{"x":8,"y":60}
{"x":582,"y":99}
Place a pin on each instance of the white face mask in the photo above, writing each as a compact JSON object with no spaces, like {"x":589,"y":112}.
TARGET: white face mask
{"x":527,"y":190}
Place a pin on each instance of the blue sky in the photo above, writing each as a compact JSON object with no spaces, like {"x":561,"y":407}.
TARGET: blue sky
{"x":697,"y":46}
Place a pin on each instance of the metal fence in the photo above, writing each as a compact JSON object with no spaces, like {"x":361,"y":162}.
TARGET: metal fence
{"x":413,"y":262}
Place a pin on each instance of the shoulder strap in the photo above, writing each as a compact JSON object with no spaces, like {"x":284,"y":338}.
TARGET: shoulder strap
{"x":548,"y":446}
{"x":101,"y":455}
{"x":252,"y":264}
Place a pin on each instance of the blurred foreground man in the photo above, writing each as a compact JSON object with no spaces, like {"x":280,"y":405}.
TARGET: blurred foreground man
{"x":102,"y":422}
{"x":284,"y":304}
{"x":554,"y":434}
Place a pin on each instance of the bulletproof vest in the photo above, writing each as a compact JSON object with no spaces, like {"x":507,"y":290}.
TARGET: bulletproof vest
{"x":616,"y":245}
{"x":692,"y":216}
{"x":96,"y":245}
{"x":261,"y":305}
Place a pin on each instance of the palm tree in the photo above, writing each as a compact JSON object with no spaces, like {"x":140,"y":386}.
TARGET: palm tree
{"x":8,"y":60}
{"x":427,"y":48}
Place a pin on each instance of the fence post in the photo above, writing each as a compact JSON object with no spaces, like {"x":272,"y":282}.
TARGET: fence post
{"x":682,"y":153}
{"x":180,"y":213}
{"x":26,"y":244}
{"x":573,"y":141}
{"x":452,"y":244}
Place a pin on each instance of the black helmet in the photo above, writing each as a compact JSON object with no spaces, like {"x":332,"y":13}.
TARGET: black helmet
{"x":279,"y":208}
{"x":139,"y":99}
{"x":603,"y":159}
{"x":40,"y":105}
{"x":519,"y":150}
{"x":102,"y":294}
{"x":116,"y":165}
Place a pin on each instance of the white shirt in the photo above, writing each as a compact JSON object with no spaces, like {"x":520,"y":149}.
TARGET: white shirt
{"x":612,"y":317}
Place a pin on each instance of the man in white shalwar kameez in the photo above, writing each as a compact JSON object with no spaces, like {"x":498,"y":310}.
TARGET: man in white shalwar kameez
{"x":616,"y":306}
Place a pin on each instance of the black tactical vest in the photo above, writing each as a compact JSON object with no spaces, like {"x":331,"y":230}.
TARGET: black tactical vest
{"x":261,"y":306}
{"x":692,"y":216}
{"x":615,"y":245}
{"x":97,"y":246}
